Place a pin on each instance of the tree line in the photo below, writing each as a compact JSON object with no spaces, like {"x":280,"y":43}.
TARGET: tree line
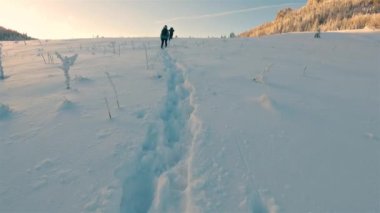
{"x":12,"y":35}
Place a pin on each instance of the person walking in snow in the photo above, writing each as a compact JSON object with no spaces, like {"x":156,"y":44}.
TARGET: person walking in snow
{"x":171,"y":31}
{"x":164,"y":36}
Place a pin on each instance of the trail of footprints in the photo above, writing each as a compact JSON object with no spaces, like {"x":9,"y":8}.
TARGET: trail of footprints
{"x":161,"y":180}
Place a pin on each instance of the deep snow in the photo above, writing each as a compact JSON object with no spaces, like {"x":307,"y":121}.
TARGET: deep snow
{"x":285,"y":123}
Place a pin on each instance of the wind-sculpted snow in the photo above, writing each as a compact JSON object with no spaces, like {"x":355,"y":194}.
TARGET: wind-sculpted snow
{"x":161,"y":182}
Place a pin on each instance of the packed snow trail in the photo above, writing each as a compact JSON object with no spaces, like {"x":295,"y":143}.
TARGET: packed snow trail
{"x":162,"y":180}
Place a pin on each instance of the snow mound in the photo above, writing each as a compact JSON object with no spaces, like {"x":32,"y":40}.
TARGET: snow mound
{"x":82,"y":79}
{"x":98,"y":203}
{"x":5,"y":111}
{"x":67,"y":105}
{"x":265,"y":102}
{"x":44,"y":164}
{"x":372,"y":136}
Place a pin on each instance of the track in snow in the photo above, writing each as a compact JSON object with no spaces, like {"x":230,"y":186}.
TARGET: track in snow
{"x":161,"y":177}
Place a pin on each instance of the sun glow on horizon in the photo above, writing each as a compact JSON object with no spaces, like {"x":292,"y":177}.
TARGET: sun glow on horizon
{"x":59,"y":19}
{"x":38,"y":19}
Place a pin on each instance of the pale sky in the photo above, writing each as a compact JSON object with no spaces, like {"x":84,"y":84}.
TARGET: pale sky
{"x":53,"y":19}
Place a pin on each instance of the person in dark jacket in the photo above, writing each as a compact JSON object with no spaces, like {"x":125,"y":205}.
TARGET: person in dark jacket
{"x":164,"y":36}
{"x":171,"y":31}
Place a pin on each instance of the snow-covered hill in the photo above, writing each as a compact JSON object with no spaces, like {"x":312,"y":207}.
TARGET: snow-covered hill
{"x":285,"y":123}
{"x":324,"y":15}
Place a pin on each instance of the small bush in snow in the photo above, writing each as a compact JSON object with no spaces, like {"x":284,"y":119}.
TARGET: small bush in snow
{"x":317,"y":34}
{"x":41,"y":53}
{"x":108,"y":108}
{"x":146,"y":57}
{"x":133,"y":45}
{"x":50,"y":58}
{"x":114,"y":89}
{"x":113,"y":45}
{"x":1,"y":67}
{"x":304,"y":71}
{"x":260,"y":77}
{"x":67,"y":63}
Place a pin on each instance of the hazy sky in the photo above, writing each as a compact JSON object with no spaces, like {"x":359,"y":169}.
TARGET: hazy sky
{"x":115,"y":18}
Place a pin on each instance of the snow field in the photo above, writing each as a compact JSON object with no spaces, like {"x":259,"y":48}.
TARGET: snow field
{"x":70,"y":127}
{"x":285,"y":123}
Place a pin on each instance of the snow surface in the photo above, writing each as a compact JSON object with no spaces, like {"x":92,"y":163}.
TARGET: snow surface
{"x":285,"y":123}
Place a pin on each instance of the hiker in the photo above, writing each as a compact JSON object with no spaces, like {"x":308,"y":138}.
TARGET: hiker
{"x":171,"y":33}
{"x":164,"y":36}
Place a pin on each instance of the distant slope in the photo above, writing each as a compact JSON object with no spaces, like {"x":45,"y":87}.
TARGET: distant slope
{"x":325,"y":15}
{"x":12,"y":35}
